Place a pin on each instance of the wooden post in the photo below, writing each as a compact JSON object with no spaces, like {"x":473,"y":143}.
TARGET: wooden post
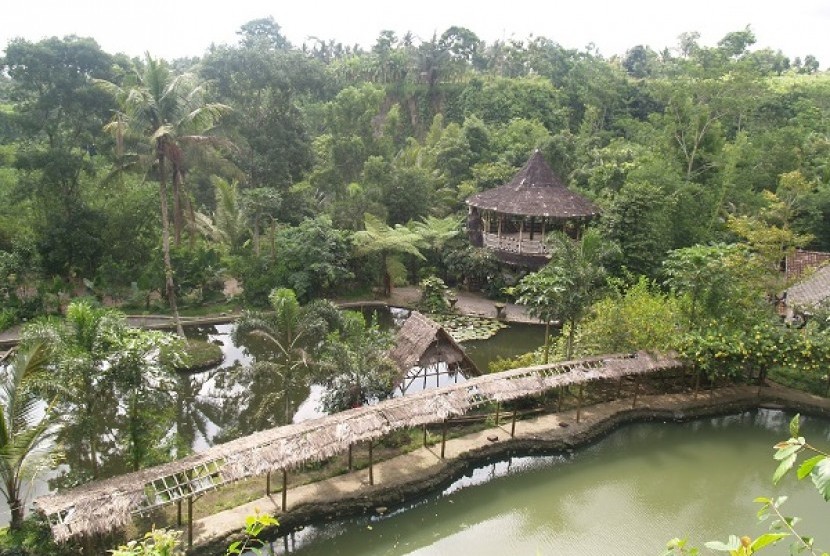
{"x":350,"y":456}
{"x":268,"y":483}
{"x":443,"y":438}
{"x":697,"y":382}
{"x":619,"y":386}
{"x":636,"y":389}
{"x":561,"y":396}
{"x":513,"y":425}
{"x":190,"y":521}
{"x":179,"y":512}
{"x":579,"y":403}
{"x":425,"y":435}
{"x":371,"y":465}
{"x":498,"y":407}
{"x":521,"y":234}
{"x":284,"y":489}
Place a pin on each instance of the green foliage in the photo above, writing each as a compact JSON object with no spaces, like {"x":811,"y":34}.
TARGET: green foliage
{"x":355,"y":365}
{"x":34,"y":538}
{"x":716,"y":284}
{"x":639,"y":317}
{"x":94,"y":359}
{"x":433,"y":295}
{"x":25,"y":431}
{"x":158,"y":542}
{"x":254,"y":526}
{"x":567,"y":286}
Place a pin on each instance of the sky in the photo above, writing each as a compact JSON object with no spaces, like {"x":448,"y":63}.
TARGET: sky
{"x":179,"y":28}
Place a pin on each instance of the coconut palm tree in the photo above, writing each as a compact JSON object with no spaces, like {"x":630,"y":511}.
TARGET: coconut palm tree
{"x":100,"y":364}
{"x":169,"y":112}
{"x":297,"y":335}
{"x":25,"y":427}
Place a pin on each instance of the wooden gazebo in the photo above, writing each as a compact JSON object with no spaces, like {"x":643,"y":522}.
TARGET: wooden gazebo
{"x":427,"y":356}
{"x":513,"y":219}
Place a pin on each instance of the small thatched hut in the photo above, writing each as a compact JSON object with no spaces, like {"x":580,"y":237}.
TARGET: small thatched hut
{"x":424,"y":350}
{"x":513,"y":219}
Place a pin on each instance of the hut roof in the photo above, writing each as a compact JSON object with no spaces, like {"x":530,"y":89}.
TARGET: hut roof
{"x":421,"y":342}
{"x":812,"y":291}
{"x":535,"y":191}
{"x":103,"y":506}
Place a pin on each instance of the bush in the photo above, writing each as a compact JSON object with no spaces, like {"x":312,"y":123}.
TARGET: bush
{"x":432,"y":295}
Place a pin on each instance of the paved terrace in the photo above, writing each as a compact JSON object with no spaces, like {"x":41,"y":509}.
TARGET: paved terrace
{"x":416,"y":472}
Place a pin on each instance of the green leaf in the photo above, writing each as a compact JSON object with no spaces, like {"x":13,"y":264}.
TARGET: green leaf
{"x":794,"y":425}
{"x":783,"y":467}
{"x":821,"y":478}
{"x":807,"y":466}
{"x":786,"y":452}
{"x":767,"y":539}
{"x":734,"y":543}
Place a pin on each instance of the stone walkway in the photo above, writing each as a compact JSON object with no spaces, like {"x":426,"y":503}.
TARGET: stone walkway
{"x":413,"y":473}
{"x":471,"y":304}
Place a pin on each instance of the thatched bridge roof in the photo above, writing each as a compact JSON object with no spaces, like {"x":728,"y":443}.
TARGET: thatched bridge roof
{"x":102,"y":506}
{"x":535,"y":191}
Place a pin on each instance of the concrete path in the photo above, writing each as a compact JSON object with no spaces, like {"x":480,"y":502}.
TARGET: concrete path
{"x":470,"y":304}
{"x":420,"y":468}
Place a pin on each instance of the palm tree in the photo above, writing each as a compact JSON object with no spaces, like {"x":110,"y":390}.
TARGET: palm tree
{"x":25,"y":428}
{"x":97,"y":359}
{"x":170,"y":112}
{"x":567,"y":286}
{"x":297,"y":334}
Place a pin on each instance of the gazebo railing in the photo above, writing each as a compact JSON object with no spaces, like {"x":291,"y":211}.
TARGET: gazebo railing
{"x":511,"y":244}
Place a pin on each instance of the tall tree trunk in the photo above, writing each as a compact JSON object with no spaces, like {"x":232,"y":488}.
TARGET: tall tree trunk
{"x":15,"y":505}
{"x":165,"y":240}
{"x":178,"y":209}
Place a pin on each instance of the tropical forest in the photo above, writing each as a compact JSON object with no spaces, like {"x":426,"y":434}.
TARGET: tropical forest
{"x":297,"y":298}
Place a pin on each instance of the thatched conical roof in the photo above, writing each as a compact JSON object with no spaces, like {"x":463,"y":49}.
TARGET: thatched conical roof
{"x":535,"y":191}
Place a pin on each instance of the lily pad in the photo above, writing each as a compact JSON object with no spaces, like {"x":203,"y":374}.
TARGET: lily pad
{"x":464,"y":328}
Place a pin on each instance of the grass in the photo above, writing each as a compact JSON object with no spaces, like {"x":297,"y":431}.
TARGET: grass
{"x":799,"y":380}
{"x":200,"y":354}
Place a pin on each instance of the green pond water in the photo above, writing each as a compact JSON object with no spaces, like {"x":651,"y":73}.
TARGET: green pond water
{"x":626,"y":495}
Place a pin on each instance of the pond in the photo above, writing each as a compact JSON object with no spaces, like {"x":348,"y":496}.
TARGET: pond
{"x":626,"y":495}
{"x":231,"y":400}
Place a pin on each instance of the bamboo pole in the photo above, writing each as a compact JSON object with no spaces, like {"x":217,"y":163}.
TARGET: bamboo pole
{"x":579,"y":403}
{"x":371,"y":465}
{"x":350,"y":456}
{"x":190,"y":521}
{"x":268,"y":483}
{"x":498,"y":407}
{"x":284,"y":490}
{"x":513,"y":425}
{"x":179,"y":512}
{"x":443,"y":439}
{"x":425,"y":435}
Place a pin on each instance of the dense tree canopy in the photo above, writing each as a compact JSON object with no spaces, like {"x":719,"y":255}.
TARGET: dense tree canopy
{"x":678,"y":147}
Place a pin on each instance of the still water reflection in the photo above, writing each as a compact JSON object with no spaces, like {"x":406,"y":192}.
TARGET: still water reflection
{"x":626,"y":495}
